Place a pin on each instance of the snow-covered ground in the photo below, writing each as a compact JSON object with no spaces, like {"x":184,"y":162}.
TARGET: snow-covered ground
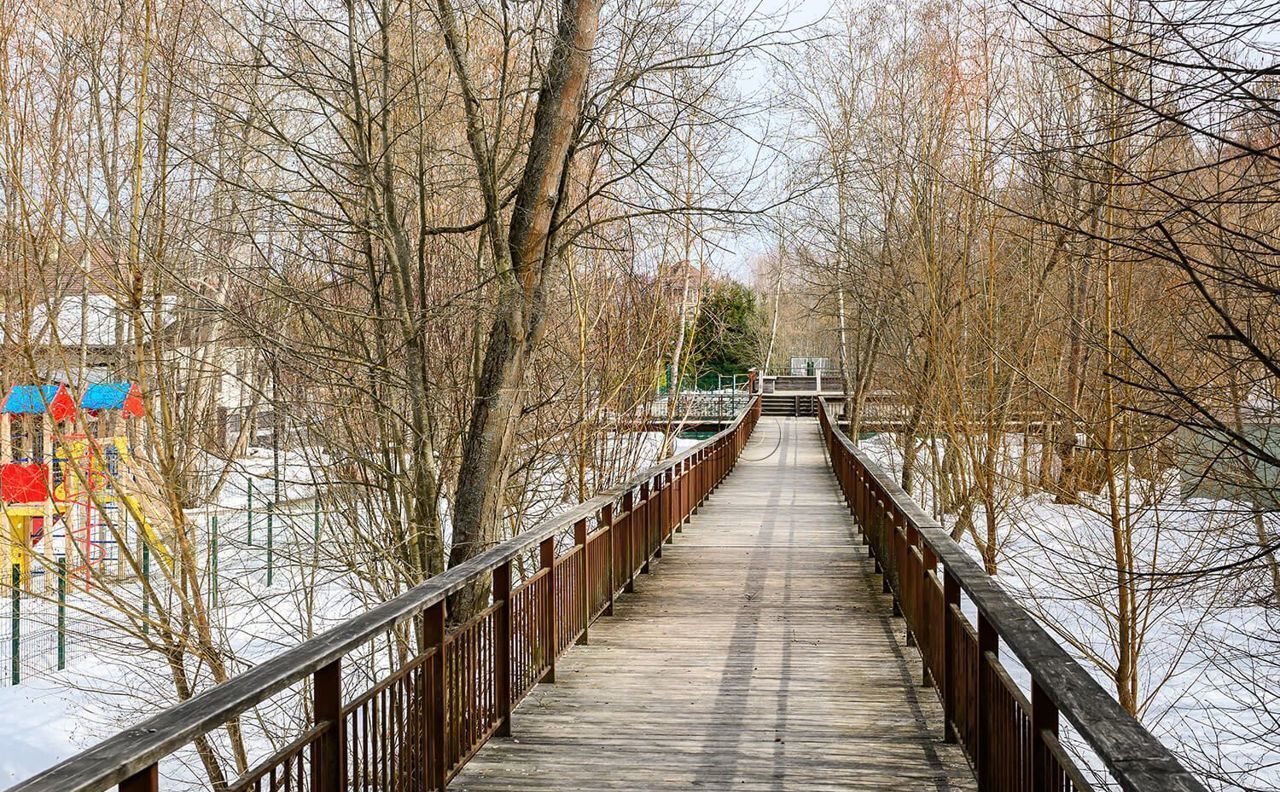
{"x":1209,"y":665}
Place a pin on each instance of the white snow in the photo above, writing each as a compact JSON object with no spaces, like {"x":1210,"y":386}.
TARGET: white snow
{"x":1210,"y":663}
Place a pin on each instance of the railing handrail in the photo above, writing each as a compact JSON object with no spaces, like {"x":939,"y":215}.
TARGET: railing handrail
{"x":1135,"y":758}
{"x":128,"y":752}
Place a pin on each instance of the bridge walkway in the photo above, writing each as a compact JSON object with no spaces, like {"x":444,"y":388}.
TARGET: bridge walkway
{"x":758,"y":655}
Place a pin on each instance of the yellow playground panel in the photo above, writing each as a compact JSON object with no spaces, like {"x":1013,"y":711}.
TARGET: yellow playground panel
{"x":24,"y":527}
{"x":99,"y":478}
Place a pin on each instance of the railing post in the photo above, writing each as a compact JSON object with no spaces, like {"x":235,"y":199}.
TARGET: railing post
{"x":926,"y":629}
{"x":859,"y":507}
{"x":145,"y":780}
{"x":988,"y":643}
{"x":907,"y":578}
{"x":584,"y":581}
{"x":1044,"y":718}
{"x":330,"y":750}
{"x":699,"y":478}
{"x":889,"y":540}
{"x":606,"y":518}
{"x":876,"y":520}
{"x":669,"y":504}
{"x":677,"y":497}
{"x":501,"y":588}
{"x":628,"y":536}
{"x":653,"y":533}
{"x":685,"y":489}
{"x":436,"y":732}
{"x":950,"y":596}
{"x":642,"y":528}
{"x":547,"y":561}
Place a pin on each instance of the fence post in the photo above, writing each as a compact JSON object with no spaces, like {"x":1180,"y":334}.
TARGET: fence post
{"x":146,"y":584}
{"x":330,"y":749}
{"x":606,"y":518}
{"x":271,"y":552}
{"x":988,"y":643}
{"x":584,"y":581}
{"x":656,"y":512}
{"x":677,"y":497}
{"x":437,"y":730}
{"x":501,"y":647}
{"x":62,"y":613}
{"x":642,"y":526}
{"x":908,"y":580}
{"x":250,"y":512}
{"x":926,"y":628}
{"x":951,"y":641}
{"x":145,"y":780}
{"x":15,"y":662}
{"x":547,"y":560}
{"x":695,"y":495}
{"x":669,"y":504}
{"x":1044,"y":718}
{"x":213,"y":570}
{"x":876,"y":519}
{"x":628,"y":535}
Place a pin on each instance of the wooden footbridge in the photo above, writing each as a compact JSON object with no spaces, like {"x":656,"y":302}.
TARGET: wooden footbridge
{"x":766,"y":611}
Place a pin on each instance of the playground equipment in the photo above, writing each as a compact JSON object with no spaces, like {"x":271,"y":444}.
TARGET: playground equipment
{"x":76,"y":492}
{"x":29,"y":419}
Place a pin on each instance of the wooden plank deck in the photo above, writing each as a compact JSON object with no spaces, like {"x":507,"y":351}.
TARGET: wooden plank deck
{"x":758,"y":655}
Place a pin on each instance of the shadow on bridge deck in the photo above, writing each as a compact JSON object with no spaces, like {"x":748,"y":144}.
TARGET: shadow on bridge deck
{"x":759,"y":655}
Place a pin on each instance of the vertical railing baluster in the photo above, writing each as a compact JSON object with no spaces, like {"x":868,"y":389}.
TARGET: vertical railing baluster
{"x":330,"y":748}
{"x":677,"y":502}
{"x":1044,"y":718}
{"x":907,"y":579}
{"x":698,"y":472}
{"x":654,"y":530}
{"x":436,"y":732}
{"x":547,"y":561}
{"x":988,"y":642}
{"x":145,"y":780}
{"x":669,"y":504}
{"x":501,"y":589}
{"x":584,"y":577}
{"x":951,"y":643}
{"x":606,"y":520}
{"x":928,"y":634}
{"x":686,"y":491}
{"x":642,"y":527}
{"x":628,"y":536}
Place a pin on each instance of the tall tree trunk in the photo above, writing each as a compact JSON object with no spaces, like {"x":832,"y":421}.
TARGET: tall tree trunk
{"x":495,"y":412}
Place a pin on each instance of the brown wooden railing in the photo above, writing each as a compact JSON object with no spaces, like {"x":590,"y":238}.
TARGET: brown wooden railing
{"x":416,"y":727}
{"x":1011,"y":737}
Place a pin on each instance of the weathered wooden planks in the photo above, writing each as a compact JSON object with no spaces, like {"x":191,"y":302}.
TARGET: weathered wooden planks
{"x":759,"y":655}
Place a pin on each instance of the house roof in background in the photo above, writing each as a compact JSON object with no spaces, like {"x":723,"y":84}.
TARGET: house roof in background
{"x":96,"y":320}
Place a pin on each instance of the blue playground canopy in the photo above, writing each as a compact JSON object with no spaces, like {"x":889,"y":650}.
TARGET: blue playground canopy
{"x":106,"y":396}
{"x":30,"y":399}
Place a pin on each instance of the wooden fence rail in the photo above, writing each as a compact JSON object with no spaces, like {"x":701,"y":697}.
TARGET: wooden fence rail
{"x":1011,"y":738}
{"x":415,"y":728}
